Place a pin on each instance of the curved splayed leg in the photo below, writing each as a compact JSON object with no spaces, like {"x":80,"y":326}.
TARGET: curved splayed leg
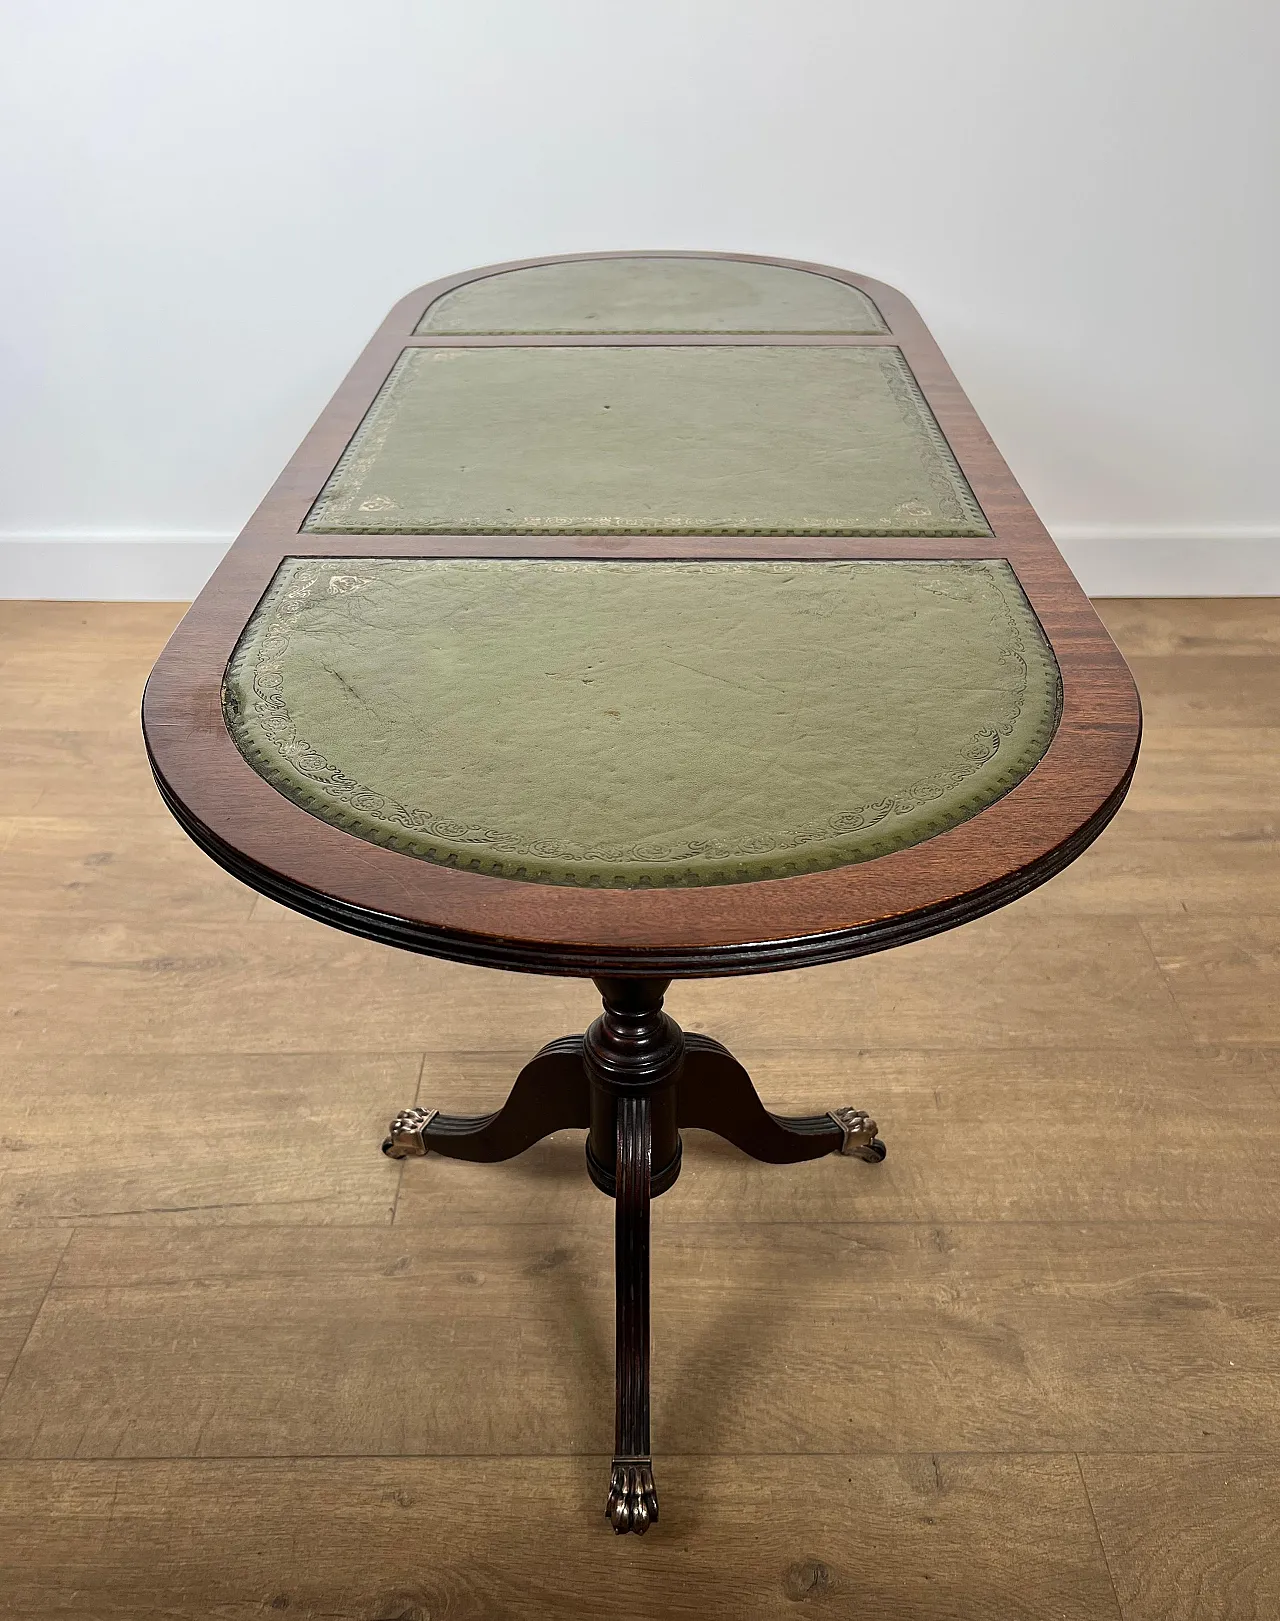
{"x":550,"y":1093}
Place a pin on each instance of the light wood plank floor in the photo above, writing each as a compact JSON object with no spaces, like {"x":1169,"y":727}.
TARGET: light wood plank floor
{"x":1028,"y":1368}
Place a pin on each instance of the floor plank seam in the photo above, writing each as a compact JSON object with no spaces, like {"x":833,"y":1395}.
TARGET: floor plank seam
{"x":1188,"y":1043}
{"x":1165,"y":980}
{"x":1097,"y":1531}
{"x":401,"y":1167}
{"x":436,"y":1223}
{"x":124,"y":1459}
{"x":35,"y":1317}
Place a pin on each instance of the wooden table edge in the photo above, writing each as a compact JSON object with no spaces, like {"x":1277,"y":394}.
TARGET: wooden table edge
{"x":282,"y":851}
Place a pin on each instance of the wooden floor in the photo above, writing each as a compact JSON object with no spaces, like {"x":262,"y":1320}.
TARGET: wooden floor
{"x":1028,"y":1368}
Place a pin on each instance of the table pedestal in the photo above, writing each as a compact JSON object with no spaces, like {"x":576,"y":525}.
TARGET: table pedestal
{"x":633,"y":1081}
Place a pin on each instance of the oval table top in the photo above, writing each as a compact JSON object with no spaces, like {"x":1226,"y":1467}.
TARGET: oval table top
{"x":653,"y":614}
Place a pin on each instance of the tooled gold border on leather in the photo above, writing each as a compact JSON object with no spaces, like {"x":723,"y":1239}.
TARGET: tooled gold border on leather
{"x":343,"y":802}
{"x":956,"y":498}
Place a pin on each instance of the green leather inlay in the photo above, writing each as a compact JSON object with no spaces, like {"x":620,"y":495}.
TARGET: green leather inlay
{"x":645,"y":294}
{"x":647,"y":723}
{"x":722,"y":440}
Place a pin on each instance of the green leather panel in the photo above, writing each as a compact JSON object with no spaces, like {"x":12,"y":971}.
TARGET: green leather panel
{"x":721,"y":440}
{"x":644,"y":294}
{"x":647,"y":723}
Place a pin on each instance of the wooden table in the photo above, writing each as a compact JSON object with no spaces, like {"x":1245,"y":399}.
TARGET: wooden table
{"x":639,"y":617}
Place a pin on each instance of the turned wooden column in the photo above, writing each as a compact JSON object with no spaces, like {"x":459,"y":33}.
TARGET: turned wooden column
{"x":633,"y":1050}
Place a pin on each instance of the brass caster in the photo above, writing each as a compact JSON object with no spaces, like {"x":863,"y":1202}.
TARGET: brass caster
{"x":858,"y":1131}
{"x":633,"y":1498}
{"x":408,"y":1134}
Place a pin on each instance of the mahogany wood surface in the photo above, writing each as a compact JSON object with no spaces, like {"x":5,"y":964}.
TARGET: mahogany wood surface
{"x":996,"y":856}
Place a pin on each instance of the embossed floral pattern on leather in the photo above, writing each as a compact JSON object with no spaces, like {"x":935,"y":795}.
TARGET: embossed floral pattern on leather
{"x":730,"y":439}
{"x":646,"y":293}
{"x":630,"y":724}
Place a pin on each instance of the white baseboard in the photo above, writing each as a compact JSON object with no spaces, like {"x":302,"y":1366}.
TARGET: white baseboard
{"x":109,"y":567}
{"x":1124,"y":560}
{"x":1109,"y":560}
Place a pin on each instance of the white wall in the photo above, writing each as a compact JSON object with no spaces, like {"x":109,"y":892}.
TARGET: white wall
{"x":211,"y":205}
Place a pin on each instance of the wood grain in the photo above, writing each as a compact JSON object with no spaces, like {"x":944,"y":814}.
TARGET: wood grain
{"x":110,"y":1139}
{"x":1224,"y":974}
{"x":1238,"y":627}
{"x":484,"y":1340}
{"x":263,"y":987}
{"x":932,"y":1538}
{"x":1172,"y":863}
{"x":1188,"y":1538}
{"x":1011,"y":981}
{"x":285,"y":984}
{"x":1230,"y":690}
{"x":30,"y":1261}
{"x":1208,"y":769}
{"x":63,"y":872}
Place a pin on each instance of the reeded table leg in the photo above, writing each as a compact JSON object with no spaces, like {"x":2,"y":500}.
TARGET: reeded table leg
{"x":716,"y":1094}
{"x":634,"y":1056}
{"x":551,"y":1093}
{"x":633,"y":1498}
{"x":634,"y":1079}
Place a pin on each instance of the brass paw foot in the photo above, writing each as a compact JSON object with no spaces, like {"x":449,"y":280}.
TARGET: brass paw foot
{"x":859,"y":1133}
{"x":407,"y":1139}
{"x":633,"y":1498}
